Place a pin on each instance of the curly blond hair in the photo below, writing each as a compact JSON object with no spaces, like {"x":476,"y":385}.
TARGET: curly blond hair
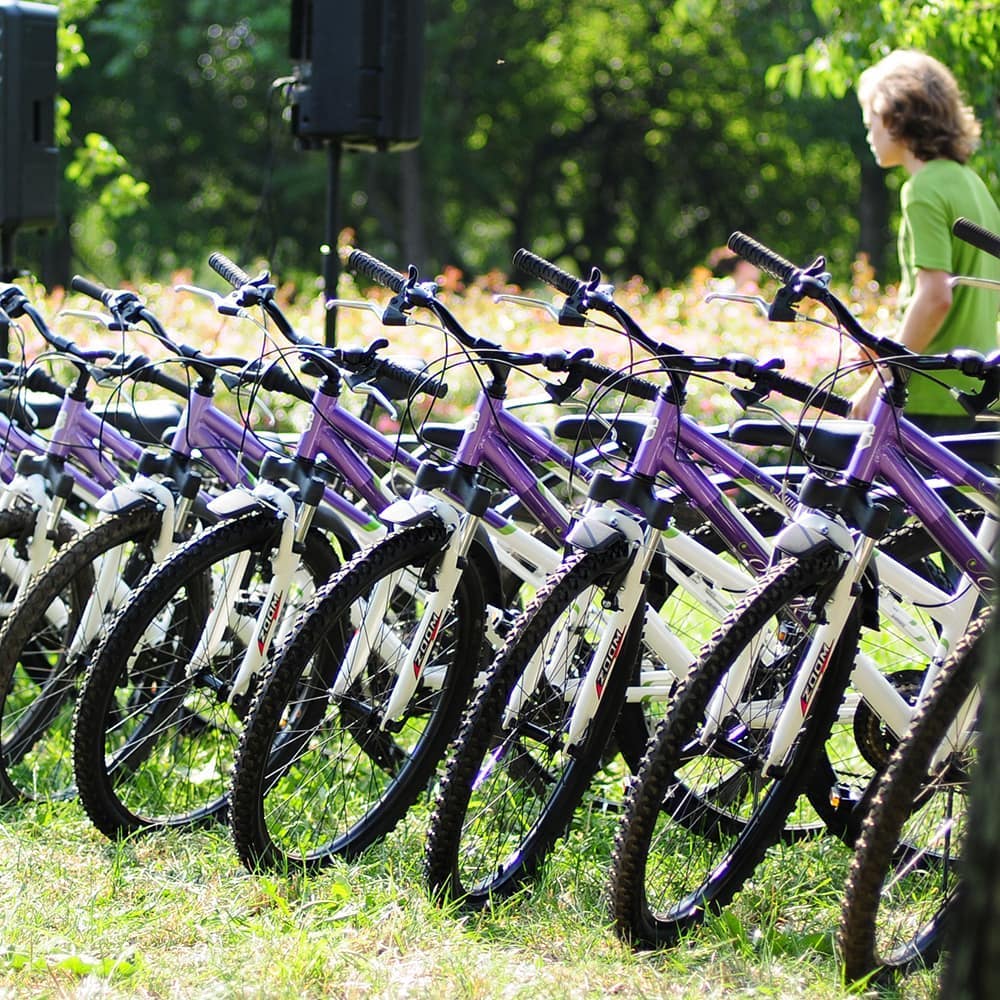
{"x":921,"y":105}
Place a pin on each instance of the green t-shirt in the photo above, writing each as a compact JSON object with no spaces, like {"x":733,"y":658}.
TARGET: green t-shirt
{"x":932,"y":199}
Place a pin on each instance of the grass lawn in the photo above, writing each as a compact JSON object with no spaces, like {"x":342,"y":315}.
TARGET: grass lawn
{"x":174,"y":915}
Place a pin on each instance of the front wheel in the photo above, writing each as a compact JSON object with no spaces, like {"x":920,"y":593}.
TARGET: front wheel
{"x":701,"y":814}
{"x":512,"y":784}
{"x":157,"y":723}
{"x":322,"y":770}
{"x":904,"y":880}
{"x":43,"y":652}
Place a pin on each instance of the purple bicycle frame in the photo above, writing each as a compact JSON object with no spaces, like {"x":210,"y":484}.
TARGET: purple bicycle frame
{"x":87,"y":439}
{"x":488,"y":440}
{"x":885,"y":453}
{"x":333,"y":431}
{"x":218,"y":438}
{"x":668,"y":447}
{"x":13,"y":441}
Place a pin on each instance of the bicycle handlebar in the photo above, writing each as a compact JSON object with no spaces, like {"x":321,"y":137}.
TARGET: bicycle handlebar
{"x":801,"y":283}
{"x":91,"y":289}
{"x":39,"y":380}
{"x":761,"y":256}
{"x":376,"y":271}
{"x":977,"y":236}
{"x":804,"y":392}
{"x":413,"y":381}
{"x":164,"y":381}
{"x":227,"y":269}
{"x":545,"y":270}
{"x":360,"y":362}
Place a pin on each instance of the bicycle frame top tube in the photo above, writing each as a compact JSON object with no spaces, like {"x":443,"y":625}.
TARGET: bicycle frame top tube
{"x":671,"y":442}
{"x":494,"y":438}
{"x":13,"y":441}
{"x":88,"y":440}
{"x":494,"y":442}
{"x":886,"y":452}
{"x":337,"y":435}
{"x":335,"y":432}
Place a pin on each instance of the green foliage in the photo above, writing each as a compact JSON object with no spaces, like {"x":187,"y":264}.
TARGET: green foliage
{"x":96,"y":167}
{"x":632,"y":136}
{"x":98,"y":161}
{"x":963,"y":34}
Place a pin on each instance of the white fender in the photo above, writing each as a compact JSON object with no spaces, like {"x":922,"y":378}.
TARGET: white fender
{"x":601,"y":525}
{"x":416,"y":509}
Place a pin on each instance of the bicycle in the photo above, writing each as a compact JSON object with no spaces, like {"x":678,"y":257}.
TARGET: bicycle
{"x":84,"y":459}
{"x":541,"y":726}
{"x":905,"y":876}
{"x":768,"y":687}
{"x":153,"y":743}
{"x":354,"y":715}
{"x":54,"y":624}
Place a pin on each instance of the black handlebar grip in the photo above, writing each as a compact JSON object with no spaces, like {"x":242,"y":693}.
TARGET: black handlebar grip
{"x":423,"y":382}
{"x":760,"y":256}
{"x":233,"y":273}
{"x":90,"y":288}
{"x":172,"y":385}
{"x":39,"y":380}
{"x":631,"y":385}
{"x":278,"y":380}
{"x":979,"y":237}
{"x":374,"y":270}
{"x":805,"y":392}
{"x":545,"y":270}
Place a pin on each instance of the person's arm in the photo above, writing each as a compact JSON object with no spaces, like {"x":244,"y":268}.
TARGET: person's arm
{"x":926,"y":311}
{"x":921,"y":321}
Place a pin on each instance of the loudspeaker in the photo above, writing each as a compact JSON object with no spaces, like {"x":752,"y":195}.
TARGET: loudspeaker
{"x":359,"y":72}
{"x":29,"y":161}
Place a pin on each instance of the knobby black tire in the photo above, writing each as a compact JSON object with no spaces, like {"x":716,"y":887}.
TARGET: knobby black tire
{"x":38,"y":684}
{"x":890,"y":931}
{"x":316,"y":776}
{"x":838,"y":767}
{"x":729,"y":853}
{"x":476,"y":849}
{"x":154,"y":740}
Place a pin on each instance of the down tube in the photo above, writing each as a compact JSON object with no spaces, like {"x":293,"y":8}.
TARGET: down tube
{"x":742,"y":539}
{"x":940,"y":523}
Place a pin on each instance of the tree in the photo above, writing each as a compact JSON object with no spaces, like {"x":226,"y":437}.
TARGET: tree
{"x":636,"y":136}
{"x":963,"y":34}
{"x":631,"y":136}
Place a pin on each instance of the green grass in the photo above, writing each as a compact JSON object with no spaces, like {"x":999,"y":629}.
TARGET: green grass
{"x":173,"y":914}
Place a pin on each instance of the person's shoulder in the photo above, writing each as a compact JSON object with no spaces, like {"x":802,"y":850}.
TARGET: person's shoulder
{"x":937,"y":178}
{"x":937,"y":172}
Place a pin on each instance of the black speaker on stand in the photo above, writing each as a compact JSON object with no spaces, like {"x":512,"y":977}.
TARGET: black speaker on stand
{"x":29,"y":178}
{"x":358,"y":84}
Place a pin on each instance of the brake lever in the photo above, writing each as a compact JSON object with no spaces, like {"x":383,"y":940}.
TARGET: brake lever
{"x":103,"y":319}
{"x":964,"y":279}
{"x":758,"y":301}
{"x":525,"y":300}
{"x":221,"y":302}
{"x":367,"y":389}
{"x":355,"y":304}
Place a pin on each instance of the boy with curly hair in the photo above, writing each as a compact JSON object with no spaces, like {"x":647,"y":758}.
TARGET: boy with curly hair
{"x":916,"y":118}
